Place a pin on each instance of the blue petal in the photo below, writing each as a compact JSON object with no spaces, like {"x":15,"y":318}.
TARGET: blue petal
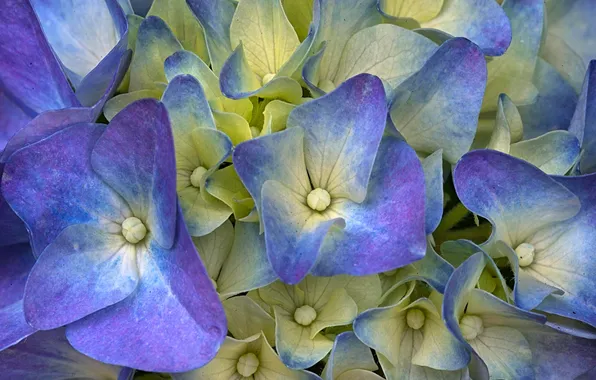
{"x":583,"y":124}
{"x":433,"y":180}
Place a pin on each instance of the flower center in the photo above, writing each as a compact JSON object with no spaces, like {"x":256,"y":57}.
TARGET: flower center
{"x":305,"y":315}
{"x":415,"y":318}
{"x":327,"y":85}
{"x":267,"y":78}
{"x":318,"y":199}
{"x":133,"y":230}
{"x":525,"y":254}
{"x":197,"y":176}
{"x":471,"y":326}
{"x":247,"y":364}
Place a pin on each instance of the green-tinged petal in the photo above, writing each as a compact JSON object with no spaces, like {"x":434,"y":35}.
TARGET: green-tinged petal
{"x":119,"y":102}
{"x":419,"y":10}
{"x":276,"y":115}
{"x":247,"y":266}
{"x":340,"y":309}
{"x":294,"y":345}
{"x":214,"y":249}
{"x":554,"y":152}
{"x":223,"y":366}
{"x":226,"y":186}
{"x":387,"y":51}
{"x":246,"y":318}
{"x":365,"y":290}
{"x":134,"y":22}
{"x":414,"y":372}
{"x":433,"y":181}
{"x":202,"y":215}
{"x":349,"y":354}
{"x":183,"y":24}
{"x":299,"y":13}
{"x":155,"y":43}
{"x":340,"y":20}
{"x":268,"y":38}
{"x":506,"y":353}
{"x":271,"y":367}
{"x":511,"y":73}
{"x":233,"y":125}
{"x":438,"y":107}
{"x":287,"y":297}
{"x":237,"y":81}
{"x":508,"y":127}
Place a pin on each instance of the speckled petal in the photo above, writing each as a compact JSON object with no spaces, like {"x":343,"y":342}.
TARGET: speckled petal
{"x":173,"y":321}
{"x":385,"y":231}
{"x":135,"y":156}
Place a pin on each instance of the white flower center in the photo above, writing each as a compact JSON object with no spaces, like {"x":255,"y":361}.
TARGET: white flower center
{"x":247,"y":364}
{"x":327,"y":85}
{"x":197,"y":176}
{"x":305,"y":315}
{"x":415,"y":318}
{"x":133,"y":230}
{"x":267,"y":78}
{"x":318,"y":199}
{"x":525,"y":254}
{"x":471,"y":326}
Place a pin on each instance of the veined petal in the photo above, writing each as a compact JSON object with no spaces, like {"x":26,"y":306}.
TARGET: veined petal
{"x":225,"y":185}
{"x":293,"y":231}
{"x":183,"y":24}
{"x":359,"y":248}
{"x":155,"y":43}
{"x":16,"y":262}
{"x":174,"y":314}
{"x":511,"y":74}
{"x":508,"y":126}
{"x":50,"y":354}
{"x":342,"y":134}
{"x":66,"y":192}
{"x":441,"y":102}
{"x":266,"y":158}
{"x":348,"y":354}
{"x":339,"y":310}
{"x":214,"y":248}
{"x":91,"y":268}
{"x":554,"y":152}
{"x":481,"y":21}
{"x":135,"y":156}
{"x":584,"y":119}
{"x":246,"y":267}
{"x":509,"y":193}
{"x":419,"y":11}
{"x":554,"y":105}
{"x":268,"y":38}
{"x":215,"y":16}
{"x":300,"y":14}
{"x":29,"y":72}
{"x":246,"y":318}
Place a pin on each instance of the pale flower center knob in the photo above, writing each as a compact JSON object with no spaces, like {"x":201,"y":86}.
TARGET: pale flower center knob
{"x":133,"y":230}
{"x":247,"y":364}
{"x":318,"y":199}
{"x":196,"y":176}
{"x":267,"y":78}
{"x":305,"y":315}
{"x":415,"y":319}
{"x":471,"y":326}
{"x":525,"y":254}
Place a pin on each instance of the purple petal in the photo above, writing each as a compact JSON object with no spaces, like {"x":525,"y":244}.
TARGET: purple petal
{"x":29,"y":72}
{"x":173,"y":322}
{"x":48,"y":355}
{"x":387,"y":230}
{"x":15,"y":263}
{"x":84,"y":270}
{"x":135,"y":156}
{"x":50,"y":185}
{"x":342,"y":134}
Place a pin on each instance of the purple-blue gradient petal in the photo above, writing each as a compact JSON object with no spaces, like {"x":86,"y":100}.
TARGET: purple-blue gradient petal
{"x":51,"y":185}
{"x":135,"y":156}
{"x":343,"y":130}
{"x":29,"y":70}
{"x":85,"y":269}
{"x":583,"y":123}
{"x":48,"y":355}
{"x":15,"y":263}
{"x":173,"y":322}
{"x":387,"y":230}
{"x":12,"y":227}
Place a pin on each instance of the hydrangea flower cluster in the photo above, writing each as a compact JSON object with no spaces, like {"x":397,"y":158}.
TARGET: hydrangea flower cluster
{"x":298,"y":189}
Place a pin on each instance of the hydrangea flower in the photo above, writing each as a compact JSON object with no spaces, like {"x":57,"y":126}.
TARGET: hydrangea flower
{"x":110,"y":232}
{"x":349,"y":360}
{"x":315,"y":209}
